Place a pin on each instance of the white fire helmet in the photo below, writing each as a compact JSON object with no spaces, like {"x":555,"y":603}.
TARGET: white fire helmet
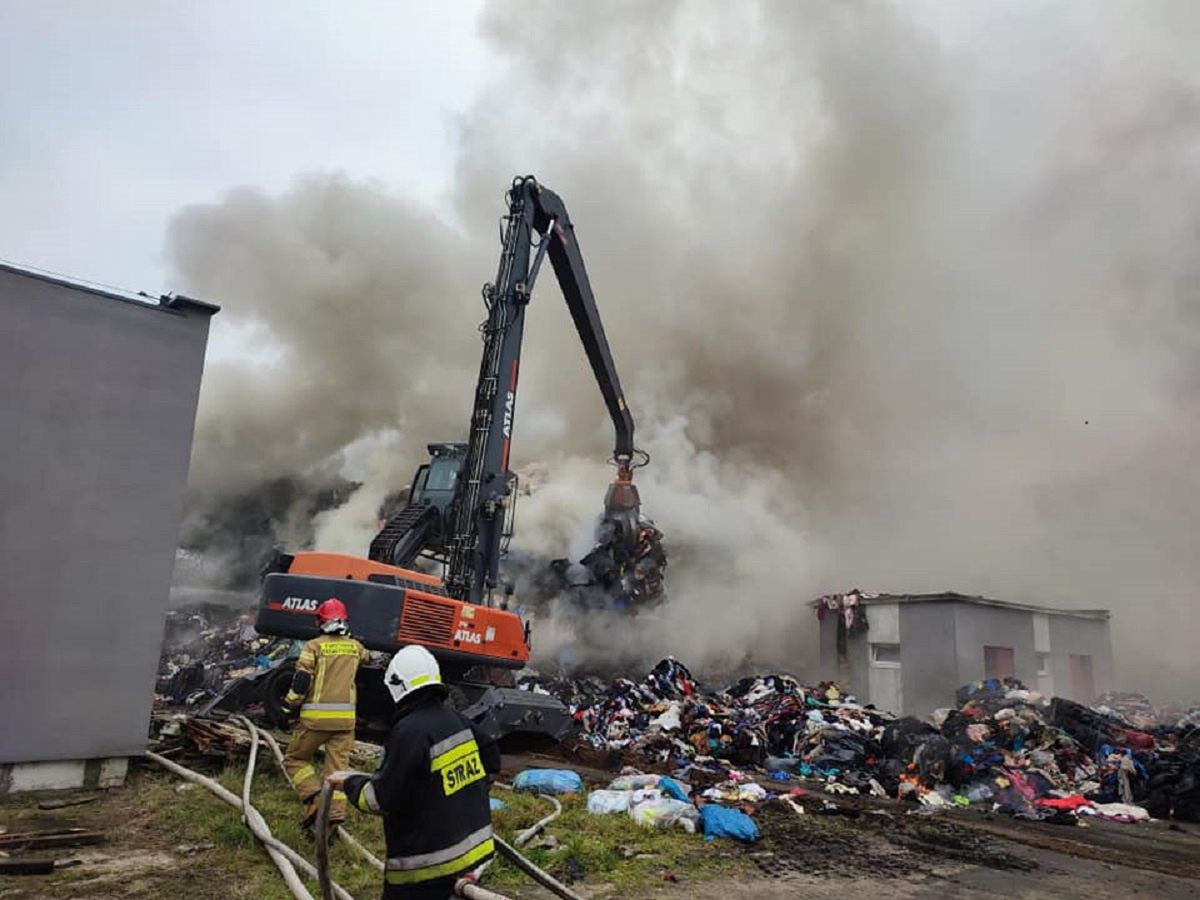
{"x":413,"y":668}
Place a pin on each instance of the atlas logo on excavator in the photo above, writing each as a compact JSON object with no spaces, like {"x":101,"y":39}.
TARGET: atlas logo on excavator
{"x":299,"y":604}
{"x":510,"y":403}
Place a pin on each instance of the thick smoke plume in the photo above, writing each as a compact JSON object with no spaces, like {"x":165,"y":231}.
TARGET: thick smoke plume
{"x":904,"y":298}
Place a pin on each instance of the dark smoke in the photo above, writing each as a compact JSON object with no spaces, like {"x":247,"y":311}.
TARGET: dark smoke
{"x":904,"y":297}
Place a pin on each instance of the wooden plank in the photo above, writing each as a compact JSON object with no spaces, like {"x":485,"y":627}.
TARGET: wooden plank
{"x":68,"y":837}
{"x":70,"y":801}
{"x":26,"y":866}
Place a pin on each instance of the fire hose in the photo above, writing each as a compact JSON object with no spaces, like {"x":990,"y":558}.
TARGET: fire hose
{"x":323,"y":832}
{"x":288,"y":860}
{"x":545,"y":879}
{"x":465,"y":887}
{"x":341,"y":832}
{"x":255,"y":822}
{"x":258,"y":825}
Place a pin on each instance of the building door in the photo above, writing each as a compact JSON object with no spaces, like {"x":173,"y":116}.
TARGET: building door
{"x":885,"y":685}
{"x":1045,"y":679}
{"x":1083,"y":688}
{"x":998,"y":662}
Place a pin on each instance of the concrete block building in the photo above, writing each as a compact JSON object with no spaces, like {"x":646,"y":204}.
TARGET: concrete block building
{"x":907,"y":653}
{"x":98,"y":407}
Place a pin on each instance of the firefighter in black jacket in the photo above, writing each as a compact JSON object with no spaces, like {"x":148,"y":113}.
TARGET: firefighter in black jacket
{"x":431,"y":786}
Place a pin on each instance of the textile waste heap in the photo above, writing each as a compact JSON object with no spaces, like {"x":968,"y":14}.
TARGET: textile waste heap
{"x":1003,"y":747}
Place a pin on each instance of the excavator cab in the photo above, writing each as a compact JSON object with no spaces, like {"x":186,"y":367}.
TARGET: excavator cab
{"x":437,"y":480}
{"x":421,"y":527}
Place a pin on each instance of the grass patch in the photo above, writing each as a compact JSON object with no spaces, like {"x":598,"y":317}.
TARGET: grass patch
{"x":152,"y":816}
{"x":611,"y":849}
{"x":197,"y":816}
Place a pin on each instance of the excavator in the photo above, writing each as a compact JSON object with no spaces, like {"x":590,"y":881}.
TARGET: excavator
{"x":460,"y":514}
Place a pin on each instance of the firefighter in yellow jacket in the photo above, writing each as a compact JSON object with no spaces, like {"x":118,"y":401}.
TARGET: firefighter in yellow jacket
{"x":323,"y":693}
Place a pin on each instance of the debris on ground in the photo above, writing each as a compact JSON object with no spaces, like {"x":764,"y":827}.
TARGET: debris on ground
{"x":67,"y":801}
{"x":202,"y":737}
{"x":719,"y":822}
{"x":206,"y":647}
{"x":548,"y":781}
{"x":1003,"y":748}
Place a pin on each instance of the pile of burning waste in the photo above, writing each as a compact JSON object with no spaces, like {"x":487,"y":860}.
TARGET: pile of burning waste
{"x":625,"y":571}
{"x":1003,"y":748}
{"x":205,"y":648}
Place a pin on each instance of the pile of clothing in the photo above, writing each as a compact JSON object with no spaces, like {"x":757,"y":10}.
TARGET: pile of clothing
{"x":668,"y":717}
{"x":1136,"y":709}
{"x":1002,"y":746}
{"x":207,"y":646}
{"x":1006,"y":747}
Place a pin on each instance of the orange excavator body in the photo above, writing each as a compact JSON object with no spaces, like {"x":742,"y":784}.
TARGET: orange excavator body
{"x":390,"y":607}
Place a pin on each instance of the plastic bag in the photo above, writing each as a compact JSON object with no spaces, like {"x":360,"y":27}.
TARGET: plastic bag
{"x":980,"y":792}
{"x":634,"y":782}
{"x":721,"y":822}
{"x":737,"y":793}
{"x":669,"y":720}
{"x":643,"y":795}
{"x":549,"y":781}
{"x":496,"y":805}
{"x":665,"y":812}
{"x":673,"y":788}
{"x":602,"y":802}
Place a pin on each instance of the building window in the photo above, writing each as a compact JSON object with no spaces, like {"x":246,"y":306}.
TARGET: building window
{"x":998,"y":662}
{"x":885,"y":655}
{"x":1043,"y":664}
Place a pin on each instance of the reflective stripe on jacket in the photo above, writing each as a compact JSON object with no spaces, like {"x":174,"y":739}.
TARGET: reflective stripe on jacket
{"x":431,"y":788}
{"x":332,"y":661}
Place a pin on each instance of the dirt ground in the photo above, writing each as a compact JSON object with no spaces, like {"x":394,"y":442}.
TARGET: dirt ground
{"x":875,"y":847}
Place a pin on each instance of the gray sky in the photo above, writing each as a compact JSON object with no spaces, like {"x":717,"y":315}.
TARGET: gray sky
{"x":114,"y":115}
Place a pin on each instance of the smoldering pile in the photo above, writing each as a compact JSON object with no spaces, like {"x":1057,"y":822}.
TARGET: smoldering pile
{"x":1004,"y":747}
{"x":205,"y":648}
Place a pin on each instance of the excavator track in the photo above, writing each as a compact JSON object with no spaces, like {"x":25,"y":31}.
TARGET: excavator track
{"x":402,"y":538}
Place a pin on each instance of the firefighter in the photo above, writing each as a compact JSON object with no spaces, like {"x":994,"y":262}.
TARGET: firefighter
{"x":431,"y":786}
{"x":323,"y":693}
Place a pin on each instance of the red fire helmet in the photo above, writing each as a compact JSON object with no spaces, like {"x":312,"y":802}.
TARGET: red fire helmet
{"x":331,"y":609}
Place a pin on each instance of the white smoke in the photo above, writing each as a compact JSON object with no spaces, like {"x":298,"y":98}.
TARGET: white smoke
{"x":903,"y":298}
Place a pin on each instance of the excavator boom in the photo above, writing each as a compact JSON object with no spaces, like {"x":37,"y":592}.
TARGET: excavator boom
{"x":459,"y":512}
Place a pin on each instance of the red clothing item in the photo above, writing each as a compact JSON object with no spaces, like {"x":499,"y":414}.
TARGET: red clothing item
{"x":1138,"y":740}
{"x":1073,"y":802}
